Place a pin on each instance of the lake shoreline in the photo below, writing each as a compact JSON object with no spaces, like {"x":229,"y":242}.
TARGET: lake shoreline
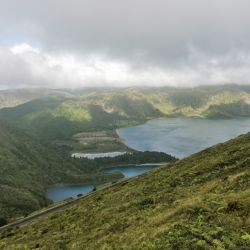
{"x":60,"y":191}
{"x":137,"y":165}
{"x":182,"y":136}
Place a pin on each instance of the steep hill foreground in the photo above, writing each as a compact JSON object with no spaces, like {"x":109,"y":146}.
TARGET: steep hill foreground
{"x":201,"y":202}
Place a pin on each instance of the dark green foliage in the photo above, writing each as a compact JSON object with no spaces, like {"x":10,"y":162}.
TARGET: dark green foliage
{"x":135,"y":157}
{"x":146,"y":203}
{"x":27,"y":168}
{"x":189,"y":98}
{"x":229,"y":110}
{"x":3,"y":221}
{"x":133,"y":108}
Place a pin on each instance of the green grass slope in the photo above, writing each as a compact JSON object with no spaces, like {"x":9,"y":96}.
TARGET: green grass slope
{"x":27,"y":168}
{"x":14,"y":97}
{"x":55,"y":117}
{"x":201,"y":202}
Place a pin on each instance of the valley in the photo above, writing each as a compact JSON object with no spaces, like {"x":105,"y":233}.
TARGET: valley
{"x":201,"y":201}
{"x":62,"y":146}
{"x":87,"y":120}
{"x":63,"y":117}
{"x":124,"y":125}
{"x":28,"y":168}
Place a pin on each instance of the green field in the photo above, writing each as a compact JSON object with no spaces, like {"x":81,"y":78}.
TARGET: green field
{"x":99,"y":141}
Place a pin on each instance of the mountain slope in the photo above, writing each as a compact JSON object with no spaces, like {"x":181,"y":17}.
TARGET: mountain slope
{"x":201,"y":202}
{"x":60,"y":117}
{"x":14,"y":97}
{"x":27,"y":168}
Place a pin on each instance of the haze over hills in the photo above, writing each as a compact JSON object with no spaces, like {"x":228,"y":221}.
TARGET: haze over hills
{"x":61,"y":114}
{"x":14,"y":97}
{"x":201,"y":202}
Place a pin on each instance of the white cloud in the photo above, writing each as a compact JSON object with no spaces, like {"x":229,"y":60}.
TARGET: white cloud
{"x":25,"y":66}
{"x":133,"y":42}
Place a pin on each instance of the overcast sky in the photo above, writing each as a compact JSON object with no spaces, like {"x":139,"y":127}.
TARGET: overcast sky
{"x":77,"y":43}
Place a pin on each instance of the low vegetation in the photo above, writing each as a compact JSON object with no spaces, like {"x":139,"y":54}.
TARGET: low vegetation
{"x":201,"y":202}
{"x":15,"y":97}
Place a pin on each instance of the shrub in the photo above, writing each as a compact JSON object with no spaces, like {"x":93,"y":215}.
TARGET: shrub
{"x":3,"y":221}
{"x":145,"y":203}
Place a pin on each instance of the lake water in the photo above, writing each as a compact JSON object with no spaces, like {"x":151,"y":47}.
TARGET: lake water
{"x":130,"y":171}
{"x":182,"y":136}
{"x":58,"y":193}
{"x":177,"y":136}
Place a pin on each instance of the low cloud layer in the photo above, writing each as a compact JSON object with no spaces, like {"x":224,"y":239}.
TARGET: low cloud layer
{"x":79,"y":43}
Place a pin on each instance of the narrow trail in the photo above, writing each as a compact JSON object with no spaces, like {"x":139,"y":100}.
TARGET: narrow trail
{"x":68,"y":204}
{"x":63,"y":206}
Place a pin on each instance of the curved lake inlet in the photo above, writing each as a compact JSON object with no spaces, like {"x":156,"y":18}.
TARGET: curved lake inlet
{"x":182,"y":137}
{"x":179,"y":137}
{"x":130,"y":171}
{"x":58,"y":193}
{"x":61,"y":192}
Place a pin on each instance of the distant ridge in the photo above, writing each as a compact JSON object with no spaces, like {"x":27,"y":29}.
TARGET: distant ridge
{"x":59,"y":114}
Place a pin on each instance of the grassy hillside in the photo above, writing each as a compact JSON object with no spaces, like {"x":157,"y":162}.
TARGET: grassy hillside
{"x":61,"y":116}
{"x":27,"y":168}
{"x":12,"y":98}
{"x":201,"y":202}
{"x":95,"y":141}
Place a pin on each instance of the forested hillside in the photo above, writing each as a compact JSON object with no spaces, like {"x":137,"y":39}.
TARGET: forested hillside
{"x":201,"y":202}
{"x":14,"y":97}
{"x":27,"y":168}
{"x":61,"y":115}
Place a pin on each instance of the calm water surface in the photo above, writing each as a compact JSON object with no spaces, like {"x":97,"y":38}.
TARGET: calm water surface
{"x":177,"y":136}
{"x":130,"y":171}
{"x":58,"y":193}
{"x":182,"y":136}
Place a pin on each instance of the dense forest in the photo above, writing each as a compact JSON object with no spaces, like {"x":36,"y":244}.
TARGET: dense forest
{"x":135,"y":157}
